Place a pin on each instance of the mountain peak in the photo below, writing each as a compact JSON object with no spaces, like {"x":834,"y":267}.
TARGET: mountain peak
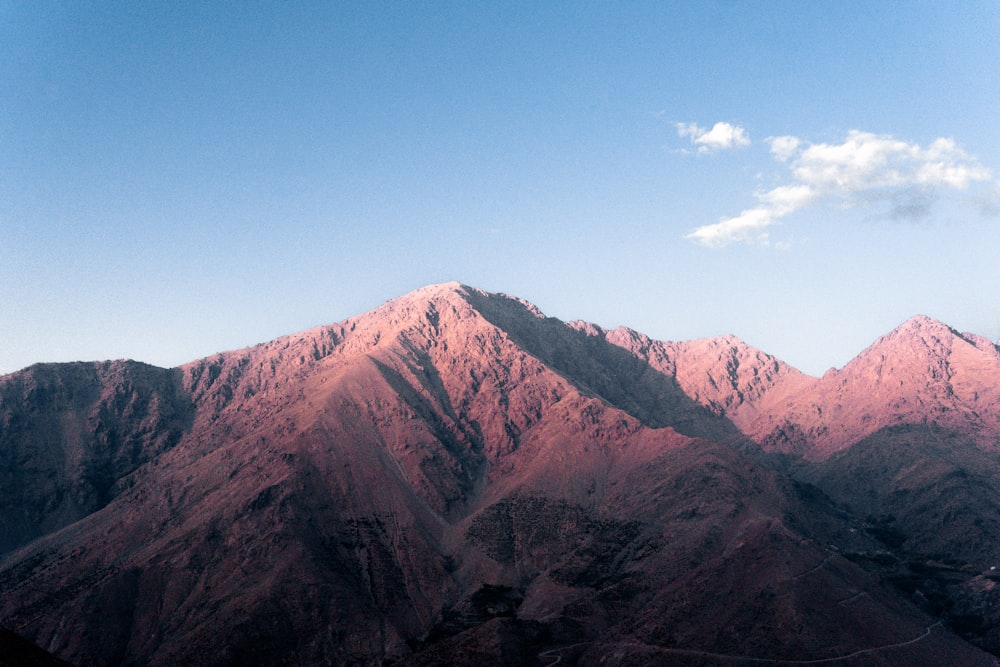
{"x":924,"y":323}
{"x":448,"y":292}
{"x":923,"y":332}
{"x":439,"y":289}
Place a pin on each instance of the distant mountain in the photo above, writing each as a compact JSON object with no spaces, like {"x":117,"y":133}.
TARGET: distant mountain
{"x":454,"y":478}
{"x":922,"y":373}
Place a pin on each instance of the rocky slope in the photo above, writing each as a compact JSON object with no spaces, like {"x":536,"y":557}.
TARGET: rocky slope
{"x":70,"y":433}
{"x":454,"y":478}
{"x":924,"y":372}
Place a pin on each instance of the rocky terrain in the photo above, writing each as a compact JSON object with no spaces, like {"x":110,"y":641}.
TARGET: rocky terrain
{"x":454,"y":478}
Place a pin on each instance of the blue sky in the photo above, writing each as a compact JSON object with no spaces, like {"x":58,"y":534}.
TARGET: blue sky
{"x":178,"y":179}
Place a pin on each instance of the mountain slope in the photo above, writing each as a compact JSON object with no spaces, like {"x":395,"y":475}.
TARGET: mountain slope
{"x":71,"y":433}
{"x":922,"y":372}
{"x":730,"y":378}
{"x":451,"y":477}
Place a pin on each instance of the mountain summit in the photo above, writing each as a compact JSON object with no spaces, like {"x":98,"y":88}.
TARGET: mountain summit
{"x":455,"y":478}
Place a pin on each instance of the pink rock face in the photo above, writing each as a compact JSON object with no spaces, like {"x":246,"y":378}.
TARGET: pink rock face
{"x":923,"y":372}
{"x":453,"y":478}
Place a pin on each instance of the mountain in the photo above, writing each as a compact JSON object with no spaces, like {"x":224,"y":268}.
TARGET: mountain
{"x":454,"y":478}
{"x":924,"y":372}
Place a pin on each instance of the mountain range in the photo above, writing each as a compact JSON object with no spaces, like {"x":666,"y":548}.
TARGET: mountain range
{"x":455,"y":478}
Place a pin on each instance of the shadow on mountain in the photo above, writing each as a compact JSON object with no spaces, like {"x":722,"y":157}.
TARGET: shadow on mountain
{"x":16,"y":651}
{"x":598,"y":368}
{"x":457,"y":465}
{"x":932,"y":498}
{"x":941,"y":490}
{"x":71,"y":434}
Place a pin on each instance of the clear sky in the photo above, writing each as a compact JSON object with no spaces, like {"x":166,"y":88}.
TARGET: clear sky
{"x":178,"y":179}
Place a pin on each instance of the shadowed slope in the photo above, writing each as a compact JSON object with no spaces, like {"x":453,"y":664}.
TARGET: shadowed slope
{"x":932,"y":497}
{"x":585,"y":356}
{"x":938,"y":487}
{"x":70,"y":435}
{"x":15,"y":651}
{"x":695,"y":547}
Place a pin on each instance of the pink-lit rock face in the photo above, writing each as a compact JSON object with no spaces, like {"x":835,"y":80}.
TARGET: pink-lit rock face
{"x":453,"y":478}
{"x":921,"y":373}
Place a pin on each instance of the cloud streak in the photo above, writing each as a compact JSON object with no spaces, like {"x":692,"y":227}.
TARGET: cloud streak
{"x":865,"y":168}
{"x":722,"y":136}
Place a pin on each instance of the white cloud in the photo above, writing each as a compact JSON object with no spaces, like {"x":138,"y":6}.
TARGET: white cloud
{"x":867,"y":161}
{"x":748,"y":227}
{"x":865,"y":168}
{"x":783,"y":148}
{"x":722,"y":136}
{"x":786,"y":199}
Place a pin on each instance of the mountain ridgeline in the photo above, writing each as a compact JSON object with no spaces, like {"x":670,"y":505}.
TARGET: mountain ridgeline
{"x":454,"y":478}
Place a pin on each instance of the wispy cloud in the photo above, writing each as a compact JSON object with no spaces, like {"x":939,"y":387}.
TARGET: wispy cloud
{"x":865,"y":168}
{"x":989,"y":202}
{"x":722,"y":136}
